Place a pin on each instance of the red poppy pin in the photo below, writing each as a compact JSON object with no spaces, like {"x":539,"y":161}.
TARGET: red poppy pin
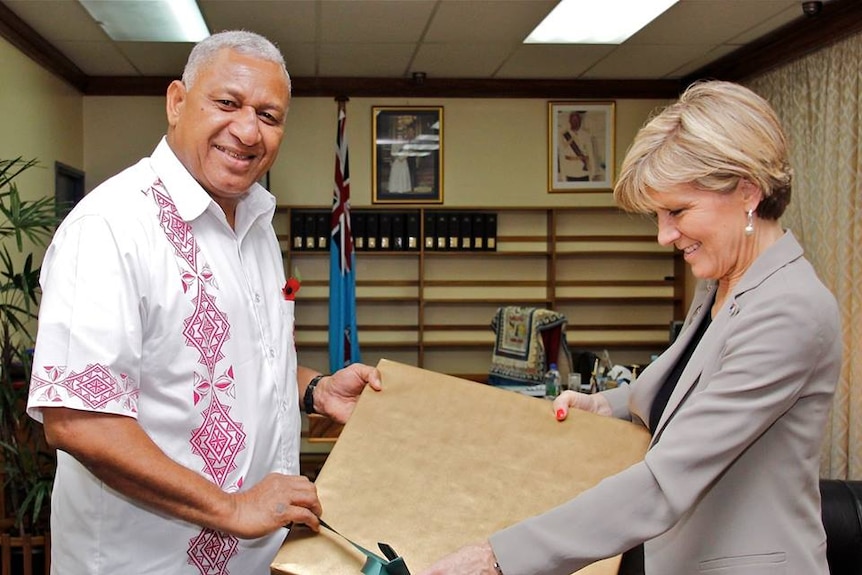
{"x":290,"y":288}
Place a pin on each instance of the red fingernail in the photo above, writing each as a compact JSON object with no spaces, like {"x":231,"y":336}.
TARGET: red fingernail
{"x":561,"y":414}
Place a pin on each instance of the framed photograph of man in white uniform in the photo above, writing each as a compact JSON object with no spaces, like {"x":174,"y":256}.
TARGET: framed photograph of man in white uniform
{"x":580,"y":146}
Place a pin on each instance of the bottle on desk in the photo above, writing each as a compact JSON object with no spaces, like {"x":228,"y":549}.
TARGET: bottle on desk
{"x":552,"y":382}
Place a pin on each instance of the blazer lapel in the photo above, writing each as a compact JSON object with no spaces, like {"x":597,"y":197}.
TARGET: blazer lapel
{"x":785,"y":250}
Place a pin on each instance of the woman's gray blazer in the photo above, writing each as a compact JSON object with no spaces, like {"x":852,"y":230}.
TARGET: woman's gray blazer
{"x":729,"y":484}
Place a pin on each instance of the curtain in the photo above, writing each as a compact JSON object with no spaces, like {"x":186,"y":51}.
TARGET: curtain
{"x":819,"y":101}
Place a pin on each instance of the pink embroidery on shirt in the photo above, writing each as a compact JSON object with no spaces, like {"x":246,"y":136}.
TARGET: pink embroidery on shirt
{"x":207,"y":330}
{"x":219,"y":439}
{"x":210,"y":551}
{"x":96,"y":387}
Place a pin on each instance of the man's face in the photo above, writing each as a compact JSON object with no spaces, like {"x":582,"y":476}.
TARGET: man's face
{"x":575,"y":121}
{"x":226,"y":129}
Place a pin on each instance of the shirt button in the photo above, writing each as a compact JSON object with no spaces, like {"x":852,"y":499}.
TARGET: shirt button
{"x":257,"y":298}
{"x":271,"y":352}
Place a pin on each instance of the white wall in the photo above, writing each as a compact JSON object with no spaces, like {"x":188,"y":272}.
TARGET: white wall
{"x":42,"y":119}
{"x":494,"y":150}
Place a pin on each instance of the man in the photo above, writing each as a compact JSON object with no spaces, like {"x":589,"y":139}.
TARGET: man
{"x":577,"y":155}
{"x":165,"y":368}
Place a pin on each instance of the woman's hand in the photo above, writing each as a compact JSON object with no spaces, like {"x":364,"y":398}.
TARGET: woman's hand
{"x":470,"y":560}
{"x":593,"y":403}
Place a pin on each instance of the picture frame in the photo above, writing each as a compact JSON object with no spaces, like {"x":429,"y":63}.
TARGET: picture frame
{"x":407,"y":154}
{"x":581,"y":146}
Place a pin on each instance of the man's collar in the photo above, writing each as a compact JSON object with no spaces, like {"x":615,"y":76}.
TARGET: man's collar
{"x":192,"y":200}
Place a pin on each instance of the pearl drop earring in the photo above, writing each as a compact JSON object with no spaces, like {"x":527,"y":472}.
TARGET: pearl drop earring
{"x":749,"y":227}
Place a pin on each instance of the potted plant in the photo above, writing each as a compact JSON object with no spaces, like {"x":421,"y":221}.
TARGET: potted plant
{"x":27,"y":462}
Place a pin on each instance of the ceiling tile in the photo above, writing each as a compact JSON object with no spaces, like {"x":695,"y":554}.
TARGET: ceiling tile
{"x":782,"y":18}
{"x":157,"y":58}
{"x":552,"y":60}
{"x":702,"y":60}
{"x":280,"y":21}
{"x":365,"y":60}
{"x":487,"y":21}
{"x":630,"y":62}
{"x":708,"y":22}
{"x":58,"y":20}
{"x":374,"y":21}
{"x":445,"y":61}
{"x":300,"y":58}
{"x":97,"y":58}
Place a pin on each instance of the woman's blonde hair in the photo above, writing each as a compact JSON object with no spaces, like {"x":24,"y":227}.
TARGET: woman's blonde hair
{"x":715,"y":135}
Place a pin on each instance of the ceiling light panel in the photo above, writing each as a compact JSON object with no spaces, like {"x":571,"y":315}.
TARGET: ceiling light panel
{"x":149,"y":20}
{"x":596,"y":22}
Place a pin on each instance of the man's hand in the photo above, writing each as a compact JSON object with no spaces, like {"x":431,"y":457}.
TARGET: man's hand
{"x":336,"y":395}
{"x":276,"y":501}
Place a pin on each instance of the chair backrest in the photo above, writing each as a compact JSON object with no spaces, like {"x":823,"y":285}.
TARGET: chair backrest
{"x":527,"y":341}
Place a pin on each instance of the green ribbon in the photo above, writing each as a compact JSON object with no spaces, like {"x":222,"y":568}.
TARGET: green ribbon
{"x":393,"y":564}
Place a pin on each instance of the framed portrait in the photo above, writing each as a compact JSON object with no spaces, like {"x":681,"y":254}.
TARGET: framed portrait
{"x":580,"y":146}
{"x":407,"y":158}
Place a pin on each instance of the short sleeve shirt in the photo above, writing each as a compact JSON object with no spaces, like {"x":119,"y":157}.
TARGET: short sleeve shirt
{"x":155,"y":309}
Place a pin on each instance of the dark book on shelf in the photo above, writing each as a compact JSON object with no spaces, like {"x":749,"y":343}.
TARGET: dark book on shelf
{"x":322,"y":229}
{"x":399,"y":232}
{"x":358,"y":228}
{"x":490,"y":231}
{"x":372,"y":230}
{"x":385,"y":223}
{"x":478,"y":231}
{"x":454,"y":241}
{"x":297,"y":225}
{"x":466,"y":231}
{"x":412,"y":230}
{"x":442,"y":229}
{"x":308,"y":231}
{"x":430,"y":230}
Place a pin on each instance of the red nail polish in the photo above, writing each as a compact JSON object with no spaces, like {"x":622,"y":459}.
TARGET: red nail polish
{"x":561,"y":415}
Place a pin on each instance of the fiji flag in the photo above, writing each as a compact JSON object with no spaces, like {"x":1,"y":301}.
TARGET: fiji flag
{"x":343,"y":341}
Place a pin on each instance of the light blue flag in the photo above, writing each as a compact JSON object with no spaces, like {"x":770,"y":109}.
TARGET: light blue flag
{"x":343,"y":339}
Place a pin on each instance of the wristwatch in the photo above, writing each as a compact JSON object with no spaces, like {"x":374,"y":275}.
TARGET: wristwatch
{"x":308,"y":399}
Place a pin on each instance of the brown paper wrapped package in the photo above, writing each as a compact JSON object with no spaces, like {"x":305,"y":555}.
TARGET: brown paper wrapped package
{"x":434,"y":462}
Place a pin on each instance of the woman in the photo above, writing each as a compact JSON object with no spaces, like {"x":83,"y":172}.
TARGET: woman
{"x":737,"y":404}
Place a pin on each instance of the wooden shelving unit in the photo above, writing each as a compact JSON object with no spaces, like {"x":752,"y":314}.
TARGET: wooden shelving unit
{"x":599,"y":266}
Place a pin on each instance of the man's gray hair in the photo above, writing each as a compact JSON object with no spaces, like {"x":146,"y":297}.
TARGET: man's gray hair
{"x":241,"y":41}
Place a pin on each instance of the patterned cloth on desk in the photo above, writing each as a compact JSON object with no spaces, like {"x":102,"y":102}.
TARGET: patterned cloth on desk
{"x":528,"y":340}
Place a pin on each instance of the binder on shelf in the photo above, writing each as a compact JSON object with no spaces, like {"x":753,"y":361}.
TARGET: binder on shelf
{"x":371,"y":230}
{"x":412,"y":230}
{"x":322,"y":230}
{"x":297,"y":221}
{"x":385,"y":222}
{"x":454,"y":231}
{"x":399,"y":235}
{"x":308,"y":231}
{"x":358,"y":228}
{"x":491,"y":231}
{"x":478,"y":231}
{"x":466,"y":231}
{"x":430,"y":230}
{"x":442,"y":229}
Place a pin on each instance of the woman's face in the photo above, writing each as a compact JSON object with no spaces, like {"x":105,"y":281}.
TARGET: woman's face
{"x":708,"y":228}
